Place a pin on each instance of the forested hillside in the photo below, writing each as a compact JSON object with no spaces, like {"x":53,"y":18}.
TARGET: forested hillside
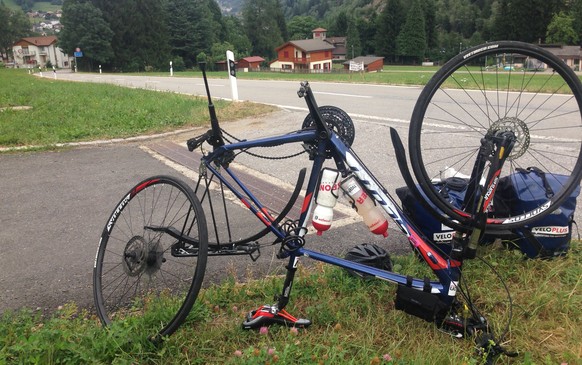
{"x":147,"y":34}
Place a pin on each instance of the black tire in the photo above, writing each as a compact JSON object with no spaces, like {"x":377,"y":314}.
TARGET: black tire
{"x":143,"y":270}
{"x":542,"y":106}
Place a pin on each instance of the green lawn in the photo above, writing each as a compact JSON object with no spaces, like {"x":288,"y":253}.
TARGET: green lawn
{"x":61,"y":111}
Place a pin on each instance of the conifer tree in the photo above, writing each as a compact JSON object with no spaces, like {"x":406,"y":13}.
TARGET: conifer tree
{"x":388,"y":27}
{"x":411,"y":42}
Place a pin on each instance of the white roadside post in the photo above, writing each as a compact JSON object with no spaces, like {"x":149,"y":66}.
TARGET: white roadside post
{"x":232,"y":74}
{"x":100,"y":71}
{"x":171,"y":69}
{"x":54,"y":73}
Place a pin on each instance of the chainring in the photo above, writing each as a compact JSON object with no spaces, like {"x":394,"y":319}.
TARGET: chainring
{"x":336,"y":119}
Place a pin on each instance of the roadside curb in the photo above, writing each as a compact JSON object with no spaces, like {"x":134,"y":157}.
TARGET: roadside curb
{"x":100,"y":142}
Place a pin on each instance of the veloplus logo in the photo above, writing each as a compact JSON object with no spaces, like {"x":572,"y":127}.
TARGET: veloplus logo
{"x":553,"y":231}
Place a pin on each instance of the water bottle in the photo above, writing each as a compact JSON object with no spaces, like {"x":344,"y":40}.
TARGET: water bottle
{"x":325,"y":200}
{"x":365,"y":206}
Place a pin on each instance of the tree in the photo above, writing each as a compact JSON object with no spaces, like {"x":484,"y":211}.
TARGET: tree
{"x":84,"y":27}
{"x":428,"y":7}
{"x":353,"y":45}
{"x":411,"y":42}
{"x":301,"y":27}
{"x":235,"y":36}
{"x":338,"y":26}
{"x":561,"y":30}
{"x":525,"y":20}
{"x":264,"y":25}
{"x":367,"y":32}
{"x":140,"y":36}
{"x":576,"y":12}
{"x":13,"y":26}
{"x":191,"y":29}
{"x":218,"y":53}
{"x":388,"y":27}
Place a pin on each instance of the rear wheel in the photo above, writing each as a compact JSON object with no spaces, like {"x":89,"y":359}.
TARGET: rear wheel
{"x":152,"y":256}
{"x":508,"y":86}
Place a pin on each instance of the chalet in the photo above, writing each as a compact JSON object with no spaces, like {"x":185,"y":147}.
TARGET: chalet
{"x":371,"y":63}
{"x":308,"y":54}
{"x":252,"y":62}
{"x":38,"y":51}
{"x":339,"y":52}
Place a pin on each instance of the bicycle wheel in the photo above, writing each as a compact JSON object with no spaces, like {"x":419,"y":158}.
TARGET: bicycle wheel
{"x":152,"y":256}
{"x":503,"y":85}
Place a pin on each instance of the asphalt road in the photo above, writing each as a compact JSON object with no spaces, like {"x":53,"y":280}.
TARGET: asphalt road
{"x":55,"y":204}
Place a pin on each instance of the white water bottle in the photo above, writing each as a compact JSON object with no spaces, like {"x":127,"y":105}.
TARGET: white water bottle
{"x":365,"y":207}
{"x":325,"y":200}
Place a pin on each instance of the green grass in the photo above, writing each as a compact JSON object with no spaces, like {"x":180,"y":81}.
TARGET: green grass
{"x":46,"y":6}
{"x":414,"y":76}
{"x":64,"y":112}
{"x":401,"y":75}
{"x":354,"y":322}
{"x":41,"y":6}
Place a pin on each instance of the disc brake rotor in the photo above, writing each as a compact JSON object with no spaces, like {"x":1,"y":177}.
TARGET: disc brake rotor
{"x":519,"y":129}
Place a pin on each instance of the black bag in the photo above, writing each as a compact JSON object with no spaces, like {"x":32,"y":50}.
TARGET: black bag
{"x":454,"y":190}
{"x":527,"y":189}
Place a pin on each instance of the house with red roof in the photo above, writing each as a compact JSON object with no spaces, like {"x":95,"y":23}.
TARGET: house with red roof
{"x":252,"y":62}
{"x":305,"y":54}
{"x":38,"y":51}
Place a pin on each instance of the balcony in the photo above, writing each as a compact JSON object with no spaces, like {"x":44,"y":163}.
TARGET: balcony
{"x":301,"y":61}
{"x":25,"y":52}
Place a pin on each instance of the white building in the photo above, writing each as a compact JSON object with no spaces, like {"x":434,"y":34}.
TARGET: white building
{"x":37,"y":51}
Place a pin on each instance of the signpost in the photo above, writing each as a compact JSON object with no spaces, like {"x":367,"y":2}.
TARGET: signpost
{"x":77,"y":53}
{"x":171,"y":69}
{"x":232,"y":74}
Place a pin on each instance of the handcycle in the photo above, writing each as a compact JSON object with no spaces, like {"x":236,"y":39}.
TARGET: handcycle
{"x":156,"y":242}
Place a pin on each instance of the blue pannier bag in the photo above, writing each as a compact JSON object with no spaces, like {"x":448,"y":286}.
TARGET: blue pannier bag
{"x":527,"y":189}
{"x":440,"y":234}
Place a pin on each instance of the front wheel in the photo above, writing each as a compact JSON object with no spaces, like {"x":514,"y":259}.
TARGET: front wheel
{"x":499,"y":86}
{"x":152,"y":256}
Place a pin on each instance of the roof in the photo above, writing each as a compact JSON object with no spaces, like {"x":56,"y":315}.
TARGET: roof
{"x":319,"y":30}
{"x":39,"y":41}
{"x":334,"y":40}
{"x":366,"y":60}
{"x":253,"y":59}
{"x":309,"y":45}
{"x":564,"y":51}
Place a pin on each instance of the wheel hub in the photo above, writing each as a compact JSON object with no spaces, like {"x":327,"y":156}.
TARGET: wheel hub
{"x":519,"y":129}
{"x":142,"y":256}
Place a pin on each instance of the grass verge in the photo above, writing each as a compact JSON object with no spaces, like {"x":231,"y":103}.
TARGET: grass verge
{"x":354,"y":322}
{"x":62,"y":112}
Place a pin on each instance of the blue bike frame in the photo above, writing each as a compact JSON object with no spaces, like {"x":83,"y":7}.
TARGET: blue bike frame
{"x":447,"y":270}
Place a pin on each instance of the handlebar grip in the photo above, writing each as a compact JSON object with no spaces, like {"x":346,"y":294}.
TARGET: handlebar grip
{"x":303,"y":89}
{"x":195,"y":142}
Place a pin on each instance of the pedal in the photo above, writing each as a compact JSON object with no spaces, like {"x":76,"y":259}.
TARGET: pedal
{"x":267,"y":315}
{"x":251,"y":249}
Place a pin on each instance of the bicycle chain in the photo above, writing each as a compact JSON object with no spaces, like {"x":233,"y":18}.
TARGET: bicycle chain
{"x":261,"y":156}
